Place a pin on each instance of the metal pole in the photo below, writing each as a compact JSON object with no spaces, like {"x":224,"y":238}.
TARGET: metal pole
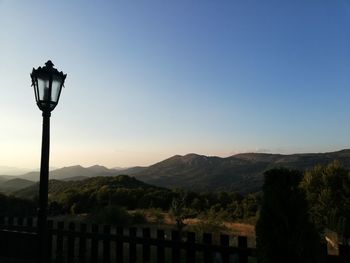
{"x":43,"y":190}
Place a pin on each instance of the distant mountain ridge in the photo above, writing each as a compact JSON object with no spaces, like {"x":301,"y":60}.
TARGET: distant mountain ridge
{"x":76,"y":171}
{"x":241,"y":172}
{"x":15,"y":184}
{"x":12,"y":170}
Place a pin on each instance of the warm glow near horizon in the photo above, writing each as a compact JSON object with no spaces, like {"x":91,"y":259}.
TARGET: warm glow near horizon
{"x":149,"y":80}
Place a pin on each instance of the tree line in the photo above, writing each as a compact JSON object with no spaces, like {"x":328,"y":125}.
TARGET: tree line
{"x":325,"y":189}
{"x":297,"y":209}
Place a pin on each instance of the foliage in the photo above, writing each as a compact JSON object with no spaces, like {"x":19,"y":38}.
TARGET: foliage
{"x":328,"y":193}
{"x":12,"y":206}
{"x":138,"y":217}
{"x":178,"y":211}
{"x":156,"y":215}
{"x":111,"y":214}
{"x":86,"y":196}
{"x":284,"y":232}
{"x":211,"y":221}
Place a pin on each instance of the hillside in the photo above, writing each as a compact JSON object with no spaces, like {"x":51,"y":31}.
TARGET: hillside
{"x":14,"y":185}
{"x":76,"y":171}
{"x":90,"y":185}
{"x":241,"y":172}
{"x":12,"y":170}
{"x":4,"y":178}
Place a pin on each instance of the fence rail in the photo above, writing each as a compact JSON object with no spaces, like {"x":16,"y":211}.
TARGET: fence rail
{"x":71,"y":242}
{"x":95,"y":243}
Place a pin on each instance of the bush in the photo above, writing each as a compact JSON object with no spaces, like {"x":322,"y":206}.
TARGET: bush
{"x":13,"y":206}
{"x":156,"y":215}
{"x":210,"y":222}
{"x":111,"y":214}
{"x":328,"y":193}
{"x":138,"y":217}
{"x":284,"y":232}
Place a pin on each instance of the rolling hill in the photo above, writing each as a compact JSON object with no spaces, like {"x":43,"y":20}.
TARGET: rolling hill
{"x":74,"y":172}
{"x":92,"y":184}
{"x":14,"y":185}
{"x":242,"y":172}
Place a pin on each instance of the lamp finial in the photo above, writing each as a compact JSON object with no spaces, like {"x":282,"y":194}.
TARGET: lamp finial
{"x":49,"y":64}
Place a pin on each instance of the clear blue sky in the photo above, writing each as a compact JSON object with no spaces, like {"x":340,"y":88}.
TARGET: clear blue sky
{"x":150,"y":79}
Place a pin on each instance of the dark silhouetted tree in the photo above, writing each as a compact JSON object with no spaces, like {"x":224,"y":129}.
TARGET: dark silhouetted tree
{"x":328,"y":193}
{"x":284,"y":232}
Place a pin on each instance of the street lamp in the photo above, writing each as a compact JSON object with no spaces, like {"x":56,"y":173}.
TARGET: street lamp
{"x":47,"y":83}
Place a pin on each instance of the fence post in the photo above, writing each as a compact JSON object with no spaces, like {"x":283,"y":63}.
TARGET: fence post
{"x":59,"y":250}
{"x":191,"y":250}
{"x":175,"y":236}
{"x":146,"y":249}
{"x":82,"y":243}
{"x":106,"y":244}
{"x":71,"y":245}
{"x":119,"y":245}
{"x":94,"y":244}
{"x":208,"y":253}
{"x":242,"y":252}
{"x":132,"y":245}
{"x":225,"y":243}
{"x":160,"y":246}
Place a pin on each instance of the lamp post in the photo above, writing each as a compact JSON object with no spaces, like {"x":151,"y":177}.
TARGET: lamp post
{"x":47,"y":83}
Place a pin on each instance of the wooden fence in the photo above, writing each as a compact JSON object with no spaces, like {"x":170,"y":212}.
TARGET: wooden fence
{"x":95,"y":243}
{"x":72,"y":242}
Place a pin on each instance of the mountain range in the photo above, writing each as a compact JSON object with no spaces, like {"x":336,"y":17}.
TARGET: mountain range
{"x":241,"y":172}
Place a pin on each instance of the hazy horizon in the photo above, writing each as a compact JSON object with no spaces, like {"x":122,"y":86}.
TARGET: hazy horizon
{"x":12,"y":170}
{"x":149,"y":80}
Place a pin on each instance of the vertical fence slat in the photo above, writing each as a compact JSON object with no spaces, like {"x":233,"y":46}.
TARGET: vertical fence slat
{"x":82,"y":243}
{"x":29,"y":221}
{"x":242,"y":246}
{"x":208,"y":253}
{"x":160,"y":247}
{"x":71,"y":242}
{"x":11,"y":238}
{"x":189,"y":246}
{"x":49,"y":244}
{"x":10,"y":220}
{"x":191,"y":250}
{"x":324,"y":252}
{"x":132,"y":245}
{"x":20,"y":221}
{"x":225,"y":242}
{"x":119,"y":245}
{"x":175,"y":254}
{"x":94,"y":244}
{"x":3,"y":240}
{"x":106,"y":244}
{"x":59,"y":245}
{"x":146,"y":249}
{"x":344,"y":250}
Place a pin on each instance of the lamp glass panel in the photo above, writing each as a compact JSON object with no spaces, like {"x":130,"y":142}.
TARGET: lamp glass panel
{"x":56,"y":87}
{"x":44,"y":89}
